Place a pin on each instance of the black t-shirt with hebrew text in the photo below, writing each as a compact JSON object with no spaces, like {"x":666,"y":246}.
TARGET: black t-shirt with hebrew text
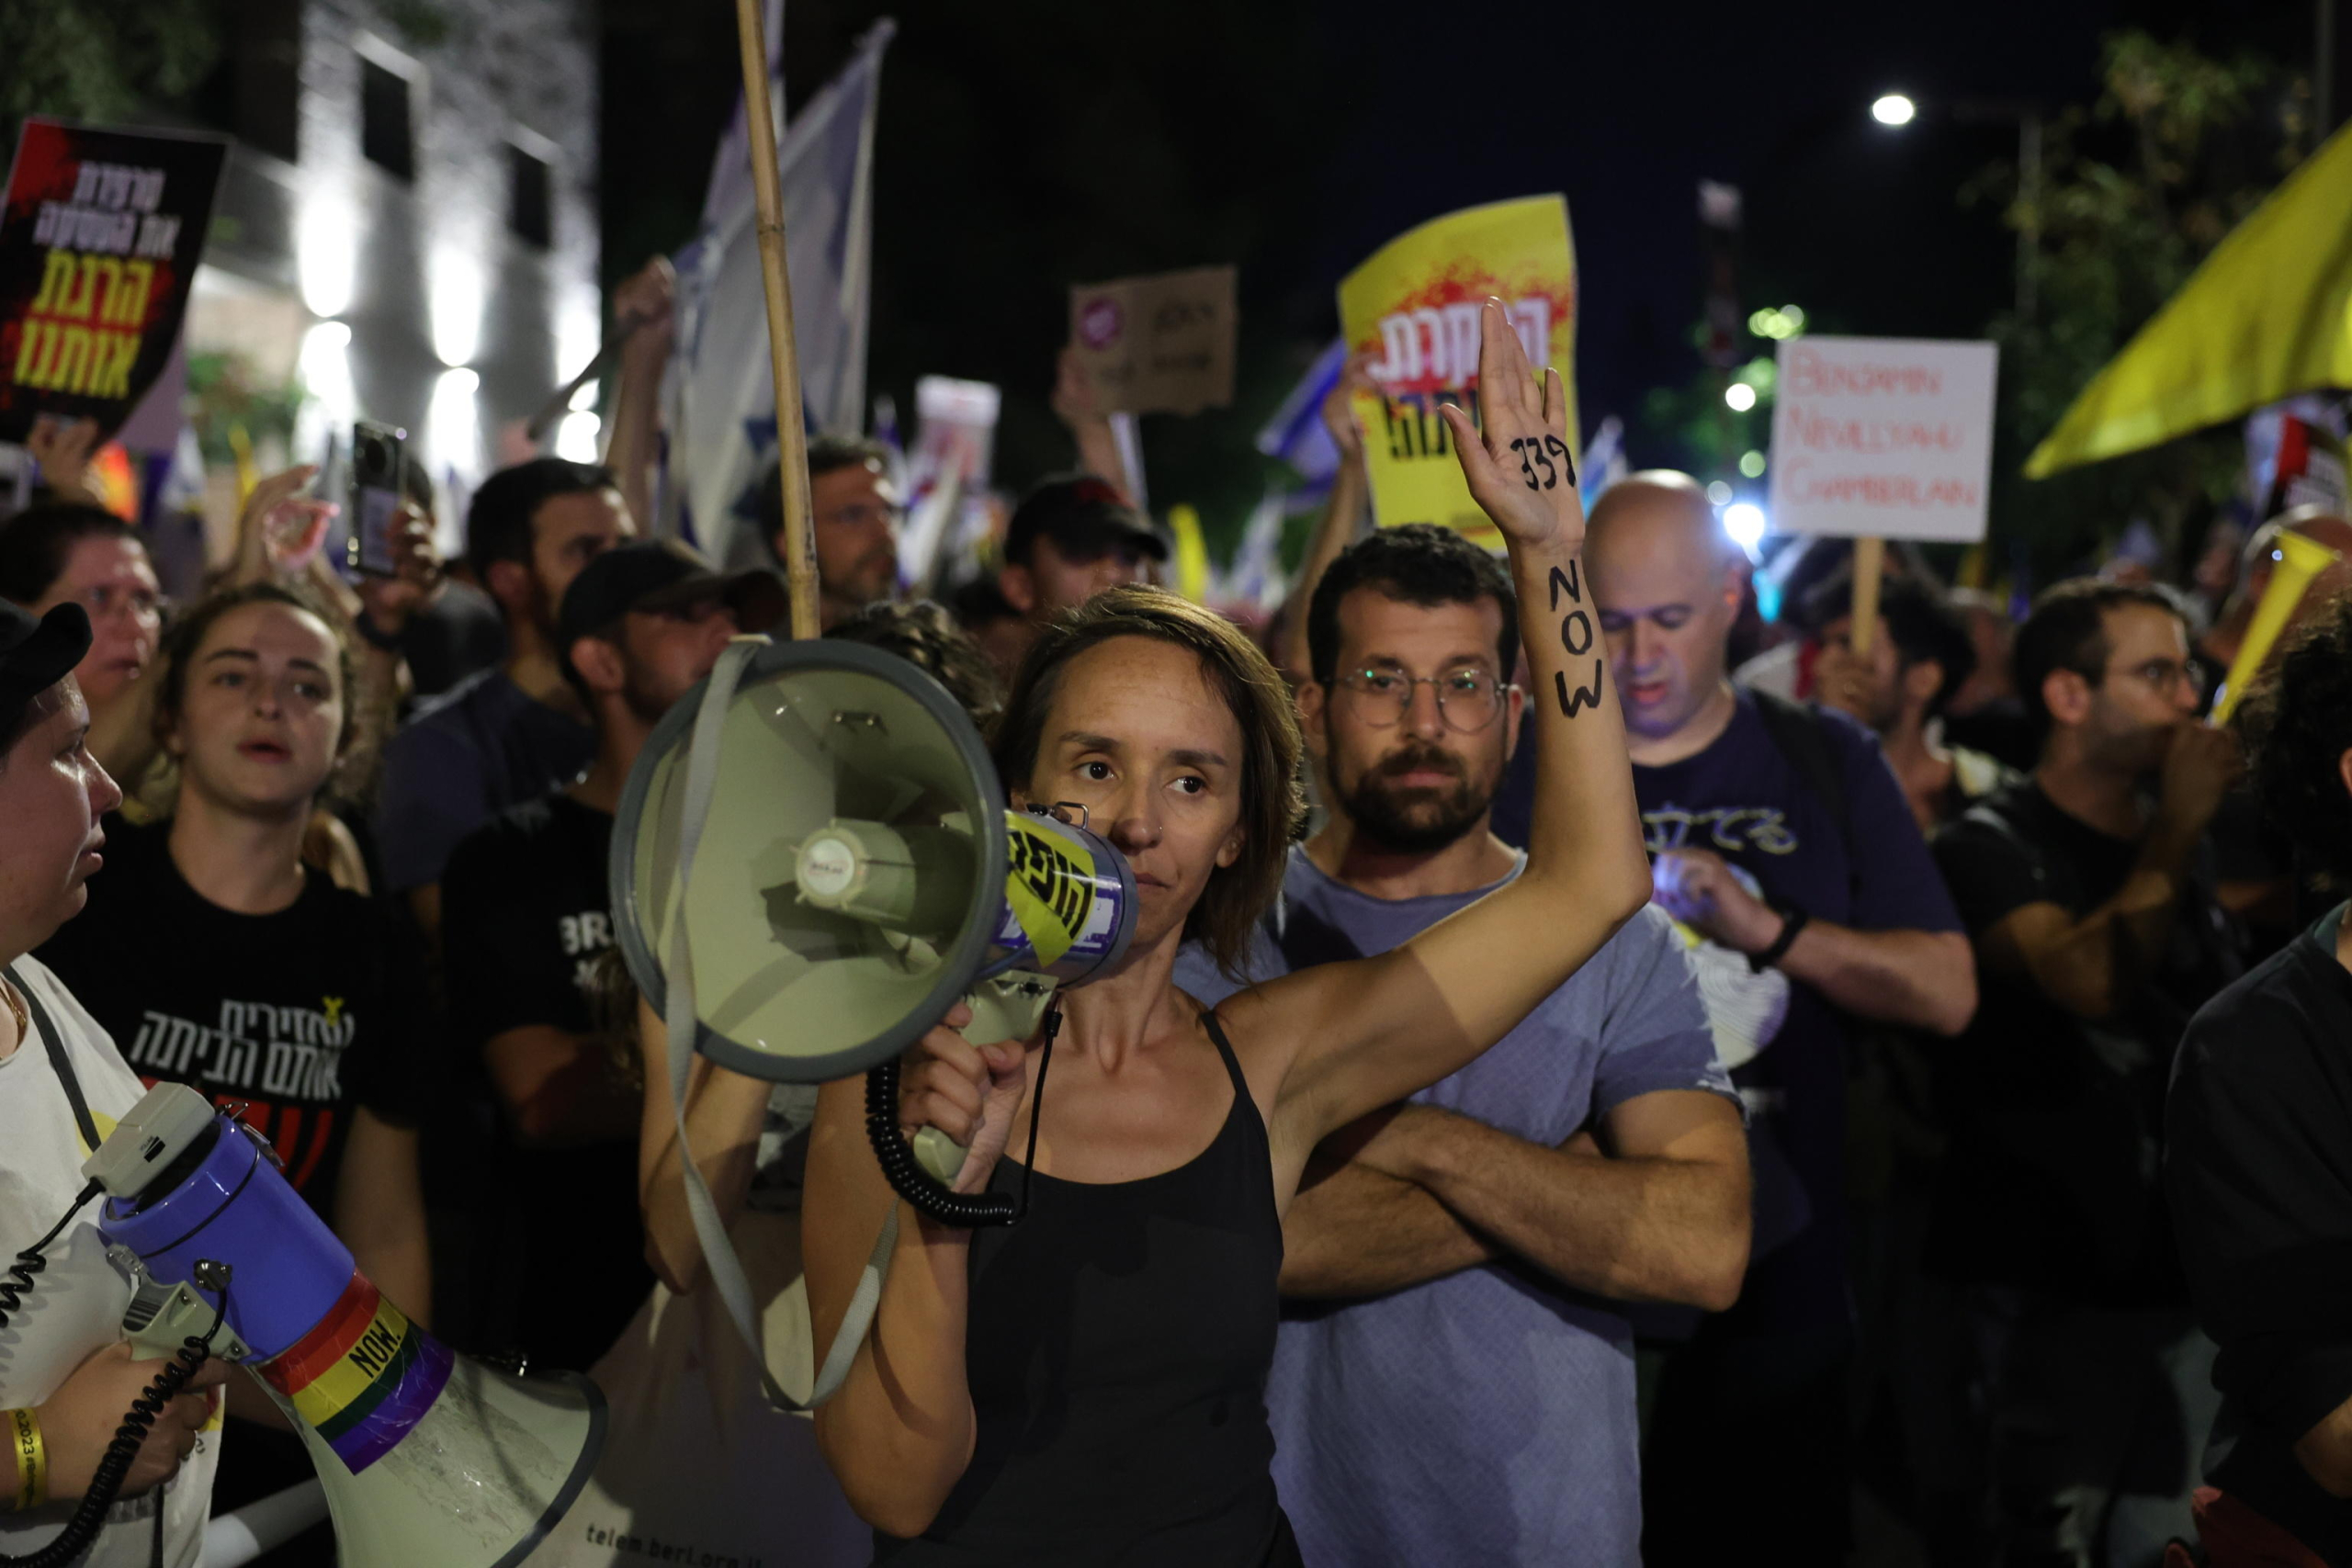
{"x":524,"y":919}
{"x":302,"y":1014}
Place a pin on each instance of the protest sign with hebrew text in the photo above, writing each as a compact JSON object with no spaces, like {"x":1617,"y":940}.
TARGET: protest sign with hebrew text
{"x":99,"y":237}
{"x":1158,"y":345}
{"x":1415,"y":306}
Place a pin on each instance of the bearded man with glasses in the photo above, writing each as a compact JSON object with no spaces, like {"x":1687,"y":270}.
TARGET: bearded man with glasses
{"x":1447,"y":1387}
{"x":2089,"y":892}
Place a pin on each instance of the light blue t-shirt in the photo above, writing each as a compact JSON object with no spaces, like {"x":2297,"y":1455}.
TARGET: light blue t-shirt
{"x":1487,"y":1417}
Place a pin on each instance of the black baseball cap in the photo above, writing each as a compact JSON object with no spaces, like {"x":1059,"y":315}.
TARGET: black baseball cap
{"x":1085,"y":517}
{"x":658,"y":574}
{"x":37,"y":652}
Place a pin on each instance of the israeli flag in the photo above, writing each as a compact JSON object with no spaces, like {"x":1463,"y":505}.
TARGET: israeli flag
{"x":719,"y":396}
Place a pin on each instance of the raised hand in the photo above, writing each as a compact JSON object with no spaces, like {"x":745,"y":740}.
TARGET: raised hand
{"x":280,"y":529}
{"x":1339,"y":406}
{"x":646,"y":304}
{"x":390,"y":601}
{"x":1517,"y":458}
{"x":1073,"y":399}
{"x":62,"y":447}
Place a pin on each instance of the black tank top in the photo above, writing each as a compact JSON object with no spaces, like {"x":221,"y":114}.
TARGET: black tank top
{"x":1117,"y":1346}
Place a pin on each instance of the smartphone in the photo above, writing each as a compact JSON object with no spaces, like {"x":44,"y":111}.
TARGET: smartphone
{"x":377,"y":453}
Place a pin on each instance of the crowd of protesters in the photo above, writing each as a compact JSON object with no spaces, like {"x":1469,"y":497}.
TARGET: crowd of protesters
{"x":1959,"y":1142}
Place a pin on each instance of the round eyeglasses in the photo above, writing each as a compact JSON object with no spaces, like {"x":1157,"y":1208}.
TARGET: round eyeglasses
{"x":1467,"y":700}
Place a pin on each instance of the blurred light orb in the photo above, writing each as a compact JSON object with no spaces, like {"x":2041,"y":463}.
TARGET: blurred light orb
{"x":1740,"y":396}
{"x":1719,"y":492}
{"x":1744,"y":521}
{"x":576,"y":437}
{"x":1894,"y":109}
{"x":1751,"y":463}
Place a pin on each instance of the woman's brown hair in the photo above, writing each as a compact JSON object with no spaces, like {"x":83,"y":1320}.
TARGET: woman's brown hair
{"x":1274,"y":804}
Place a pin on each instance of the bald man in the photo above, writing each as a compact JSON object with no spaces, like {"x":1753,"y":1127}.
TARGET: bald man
{"x":1783,"y":844}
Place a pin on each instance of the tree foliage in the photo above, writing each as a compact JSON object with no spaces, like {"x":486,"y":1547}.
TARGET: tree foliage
{"x":2136,"y":189}
{"x":100,"y":59}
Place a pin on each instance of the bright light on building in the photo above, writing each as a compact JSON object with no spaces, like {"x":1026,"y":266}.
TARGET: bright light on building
{"x":1744,"y":521}
{"x":1751,"y":463}
{"x":326,"y":255}
{"x":578,"y":333}
{"x":1740,"y":396}
{"x":576,"y":437}
{"x":1719,"y":492}
{"x":326,"y":365}
{"x":1894,"y":109}
{"x":453,"y":423}
{"x":457,"y":303}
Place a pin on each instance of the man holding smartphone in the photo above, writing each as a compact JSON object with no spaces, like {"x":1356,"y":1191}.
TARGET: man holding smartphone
{"x":511,"y":733}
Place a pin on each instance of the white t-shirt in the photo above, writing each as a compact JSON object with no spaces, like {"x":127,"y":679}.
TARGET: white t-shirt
{"x":76,"y":1303}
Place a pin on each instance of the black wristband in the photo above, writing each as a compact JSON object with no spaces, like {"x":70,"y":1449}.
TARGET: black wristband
{"x":1793,"y":921}
{"x":373,"y":634}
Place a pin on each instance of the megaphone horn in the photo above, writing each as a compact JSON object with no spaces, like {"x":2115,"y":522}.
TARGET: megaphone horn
{"x":856,"y":871}
{"x":427,"y":1455}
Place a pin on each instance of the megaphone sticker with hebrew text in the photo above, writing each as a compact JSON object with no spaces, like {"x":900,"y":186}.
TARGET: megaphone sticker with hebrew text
{"x":1050,"y":893}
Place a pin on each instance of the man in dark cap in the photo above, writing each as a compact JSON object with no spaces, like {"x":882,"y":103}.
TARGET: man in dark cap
{"x":66,"y":1378}
{"x":1070,"y":538}
{"x":527,"y":913}
{"x":510,"y":734}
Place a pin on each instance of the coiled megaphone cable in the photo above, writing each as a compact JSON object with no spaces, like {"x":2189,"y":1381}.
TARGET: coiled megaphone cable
{"x":114,"y":1466}
{"x":927,"y":1192}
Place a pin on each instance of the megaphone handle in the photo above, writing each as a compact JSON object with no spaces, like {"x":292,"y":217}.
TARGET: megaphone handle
{"x":904,"y":1165}
{"x":939,"y":1154}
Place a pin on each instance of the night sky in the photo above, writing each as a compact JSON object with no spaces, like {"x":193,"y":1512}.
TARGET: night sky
{"x":1025,"y":145}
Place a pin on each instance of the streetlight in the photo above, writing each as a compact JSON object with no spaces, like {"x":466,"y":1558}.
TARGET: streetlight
{"x":1894,"y":110}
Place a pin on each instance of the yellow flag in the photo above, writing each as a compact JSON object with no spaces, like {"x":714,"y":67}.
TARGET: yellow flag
{"x":1416,"y":306}
{"x":2268,"y":315}
{"x":1192,"y":561}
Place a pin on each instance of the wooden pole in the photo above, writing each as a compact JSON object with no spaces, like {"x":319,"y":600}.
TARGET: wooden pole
{"x":792,"y":440}
{"x":1870,"y":557}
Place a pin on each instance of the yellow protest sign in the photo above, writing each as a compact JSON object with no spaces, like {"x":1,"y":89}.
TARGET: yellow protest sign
{"x":1415,"y":305}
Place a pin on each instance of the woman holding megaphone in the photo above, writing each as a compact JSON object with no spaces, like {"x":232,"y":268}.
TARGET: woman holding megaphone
{"x":1087,"y":1386}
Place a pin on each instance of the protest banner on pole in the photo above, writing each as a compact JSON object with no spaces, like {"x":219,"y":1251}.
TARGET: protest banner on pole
{"x":99,"y":236}
{"x":1879,"y":438}
{"x":1415,"y":305}
{"x":1157,"y":345}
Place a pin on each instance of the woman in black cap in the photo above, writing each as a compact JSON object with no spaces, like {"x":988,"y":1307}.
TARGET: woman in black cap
{"x":66,"y":1379}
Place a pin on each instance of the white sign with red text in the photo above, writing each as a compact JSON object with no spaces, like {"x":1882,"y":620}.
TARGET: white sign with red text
{"x":1883,"y":437}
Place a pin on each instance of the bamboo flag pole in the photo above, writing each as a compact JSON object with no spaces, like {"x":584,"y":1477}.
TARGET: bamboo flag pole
{"x":799,"y":536}
{"x":1869,"y":556}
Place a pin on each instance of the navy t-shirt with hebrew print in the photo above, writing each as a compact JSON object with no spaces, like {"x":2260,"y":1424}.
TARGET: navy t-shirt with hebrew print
{"x":303,"y":1014}
{"x":1744,"y":800}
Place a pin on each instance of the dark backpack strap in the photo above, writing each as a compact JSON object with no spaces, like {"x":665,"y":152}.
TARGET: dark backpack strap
{"x":1801,"y":736}
{"x":56,"y":1044}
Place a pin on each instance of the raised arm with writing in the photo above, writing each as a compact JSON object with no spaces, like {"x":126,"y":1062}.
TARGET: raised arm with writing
{"x":1373,"y":1031}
